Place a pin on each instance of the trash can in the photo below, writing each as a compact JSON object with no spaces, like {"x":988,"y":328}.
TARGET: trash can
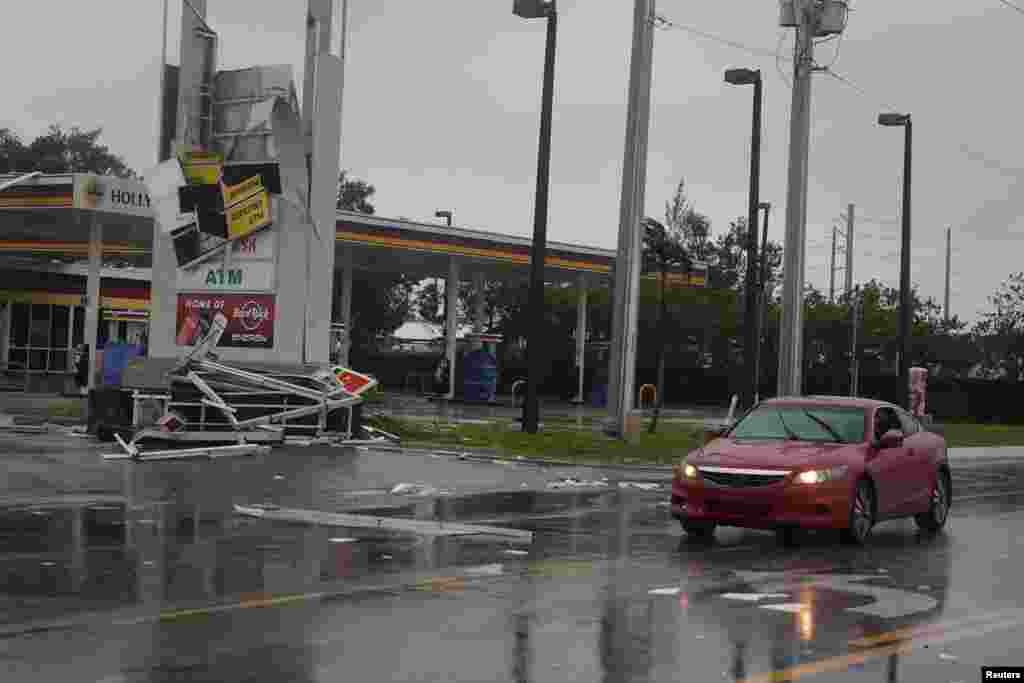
{"x":110,"y":412}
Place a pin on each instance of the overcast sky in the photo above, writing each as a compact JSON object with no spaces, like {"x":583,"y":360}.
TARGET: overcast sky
{"x":441,"y":110}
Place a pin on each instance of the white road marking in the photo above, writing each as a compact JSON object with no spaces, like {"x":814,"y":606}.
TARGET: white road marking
{"x":890,"y":603}
{"x":791,"y":607}
{"x":664,"y":591}
{"x":486,"y":570}
{"x":754,"y":597}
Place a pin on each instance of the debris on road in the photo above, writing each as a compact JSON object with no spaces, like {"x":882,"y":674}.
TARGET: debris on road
{"x":486,"y":570}
{"x":399,"y":524}
{"x":215,"y":404}
{"x":643,"y":486}
{"x":413,"y":490}
{"x":573,"y":483}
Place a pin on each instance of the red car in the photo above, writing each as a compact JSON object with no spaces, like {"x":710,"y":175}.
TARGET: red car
{"x":815,"y":462}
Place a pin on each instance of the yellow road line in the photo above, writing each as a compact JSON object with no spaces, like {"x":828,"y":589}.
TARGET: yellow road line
{"x":933,"y":628}
{"x":842,"y":662}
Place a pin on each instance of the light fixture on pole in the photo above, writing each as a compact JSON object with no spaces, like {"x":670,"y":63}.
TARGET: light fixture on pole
{"x":447,"y":215}
{"x":749,"y":390}
{"x":539,"y":9}
{"x":906,"y":312}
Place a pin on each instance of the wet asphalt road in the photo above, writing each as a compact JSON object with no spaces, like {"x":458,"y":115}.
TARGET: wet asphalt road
{"x":141,"y":573}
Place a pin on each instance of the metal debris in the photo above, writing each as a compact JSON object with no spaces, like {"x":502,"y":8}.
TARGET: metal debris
{"x":573,"y":483}
{"x":218,"y":404}
{"x":413,"y":490}
{"x":486,"y":570}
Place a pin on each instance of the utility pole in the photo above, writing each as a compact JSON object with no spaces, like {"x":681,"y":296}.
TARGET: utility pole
{"x":854,"y":357}
{"x":791,"y":335}
{"x":945,"y":308}
{"x":832,"y":271}
{"x":762,"y":322}
{"x":627,"y":262}
{"x":849,"y":250}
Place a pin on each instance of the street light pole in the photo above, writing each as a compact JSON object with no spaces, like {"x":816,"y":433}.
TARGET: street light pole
{"x":906,"y":300}
{"x":535,"y":9}
{"x":762,"y":319}
{"x":748,"y":77}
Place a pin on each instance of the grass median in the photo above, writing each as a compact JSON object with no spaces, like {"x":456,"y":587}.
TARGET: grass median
{"x":567,"y":442}
{"x":558,"y":441}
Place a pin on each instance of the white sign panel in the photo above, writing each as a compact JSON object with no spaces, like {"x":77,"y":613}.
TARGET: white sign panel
{"x":112,"y":195}
{"x":213,"y":276}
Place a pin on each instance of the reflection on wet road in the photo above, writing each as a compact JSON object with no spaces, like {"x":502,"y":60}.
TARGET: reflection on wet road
{"x":168,"y":585}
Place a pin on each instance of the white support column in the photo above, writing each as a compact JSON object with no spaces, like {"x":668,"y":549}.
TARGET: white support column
{"x":581,"y":334}
{"x":451,"y":305}
{"x":479,"y":299}
{"x":346,"y":305}
{"x":92,"y":295}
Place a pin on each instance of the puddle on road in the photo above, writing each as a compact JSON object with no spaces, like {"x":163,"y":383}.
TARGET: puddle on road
{"x":63,"y":559}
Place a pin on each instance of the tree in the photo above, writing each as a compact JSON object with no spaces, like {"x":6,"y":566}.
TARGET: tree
{"x":664,"y":252}
{"x":60,"y":151}
{"x":354,"y":194}
{"x":1001,"y":330}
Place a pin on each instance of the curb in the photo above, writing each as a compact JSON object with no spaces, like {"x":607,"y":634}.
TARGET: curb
{"x":489,"y":456}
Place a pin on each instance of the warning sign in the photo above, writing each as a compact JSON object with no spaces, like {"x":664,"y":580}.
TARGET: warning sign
{"x":243,"y":190}
{"x":249,"y":215}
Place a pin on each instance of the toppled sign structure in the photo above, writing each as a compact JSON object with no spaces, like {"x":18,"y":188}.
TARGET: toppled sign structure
{"x":223,"y":409}
{"x":214,"y":406}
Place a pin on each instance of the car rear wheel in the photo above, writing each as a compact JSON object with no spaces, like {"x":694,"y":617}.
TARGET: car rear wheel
{"x":938,"y":507}
{"x":699,"y":531}
{"x":862,"y":515}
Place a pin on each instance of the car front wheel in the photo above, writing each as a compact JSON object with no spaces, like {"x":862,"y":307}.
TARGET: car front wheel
{"x":699,"y":531}
{"x":938,"y":507}
{"x":862,"y":515}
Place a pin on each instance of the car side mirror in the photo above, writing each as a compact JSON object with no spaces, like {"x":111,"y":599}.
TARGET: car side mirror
{"x":715,"y":430}
{"x":891,"y":439}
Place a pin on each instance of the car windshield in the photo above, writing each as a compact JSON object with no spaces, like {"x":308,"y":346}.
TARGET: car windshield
{"x":803,"y":422}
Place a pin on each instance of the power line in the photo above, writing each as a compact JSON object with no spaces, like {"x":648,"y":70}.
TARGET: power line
{"x":1016,"y":8}
{"x":664,"y":23}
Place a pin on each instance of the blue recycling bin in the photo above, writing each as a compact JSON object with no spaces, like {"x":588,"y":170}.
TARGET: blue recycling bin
{"x":480,"y":378}
{"x":115,"y":359}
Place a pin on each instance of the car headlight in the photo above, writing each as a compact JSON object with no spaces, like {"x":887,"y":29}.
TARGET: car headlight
{"x":820,"y":476}
{"x":684,"y":470}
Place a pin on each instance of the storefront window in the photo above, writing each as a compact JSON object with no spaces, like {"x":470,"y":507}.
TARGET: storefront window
{"x":60,"y":323}
{"x":39,"y":331}
{"x":40,"y":335}
{"x":37,"y":359}
{"x":78,"y":329}
{"x":19,"y":325}
{"x":18,"y":358}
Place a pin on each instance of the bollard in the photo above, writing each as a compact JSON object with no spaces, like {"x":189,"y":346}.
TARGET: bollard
{"x":648,"y":389}
{"x":918,"y":391}
{"x":515,"y":385}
